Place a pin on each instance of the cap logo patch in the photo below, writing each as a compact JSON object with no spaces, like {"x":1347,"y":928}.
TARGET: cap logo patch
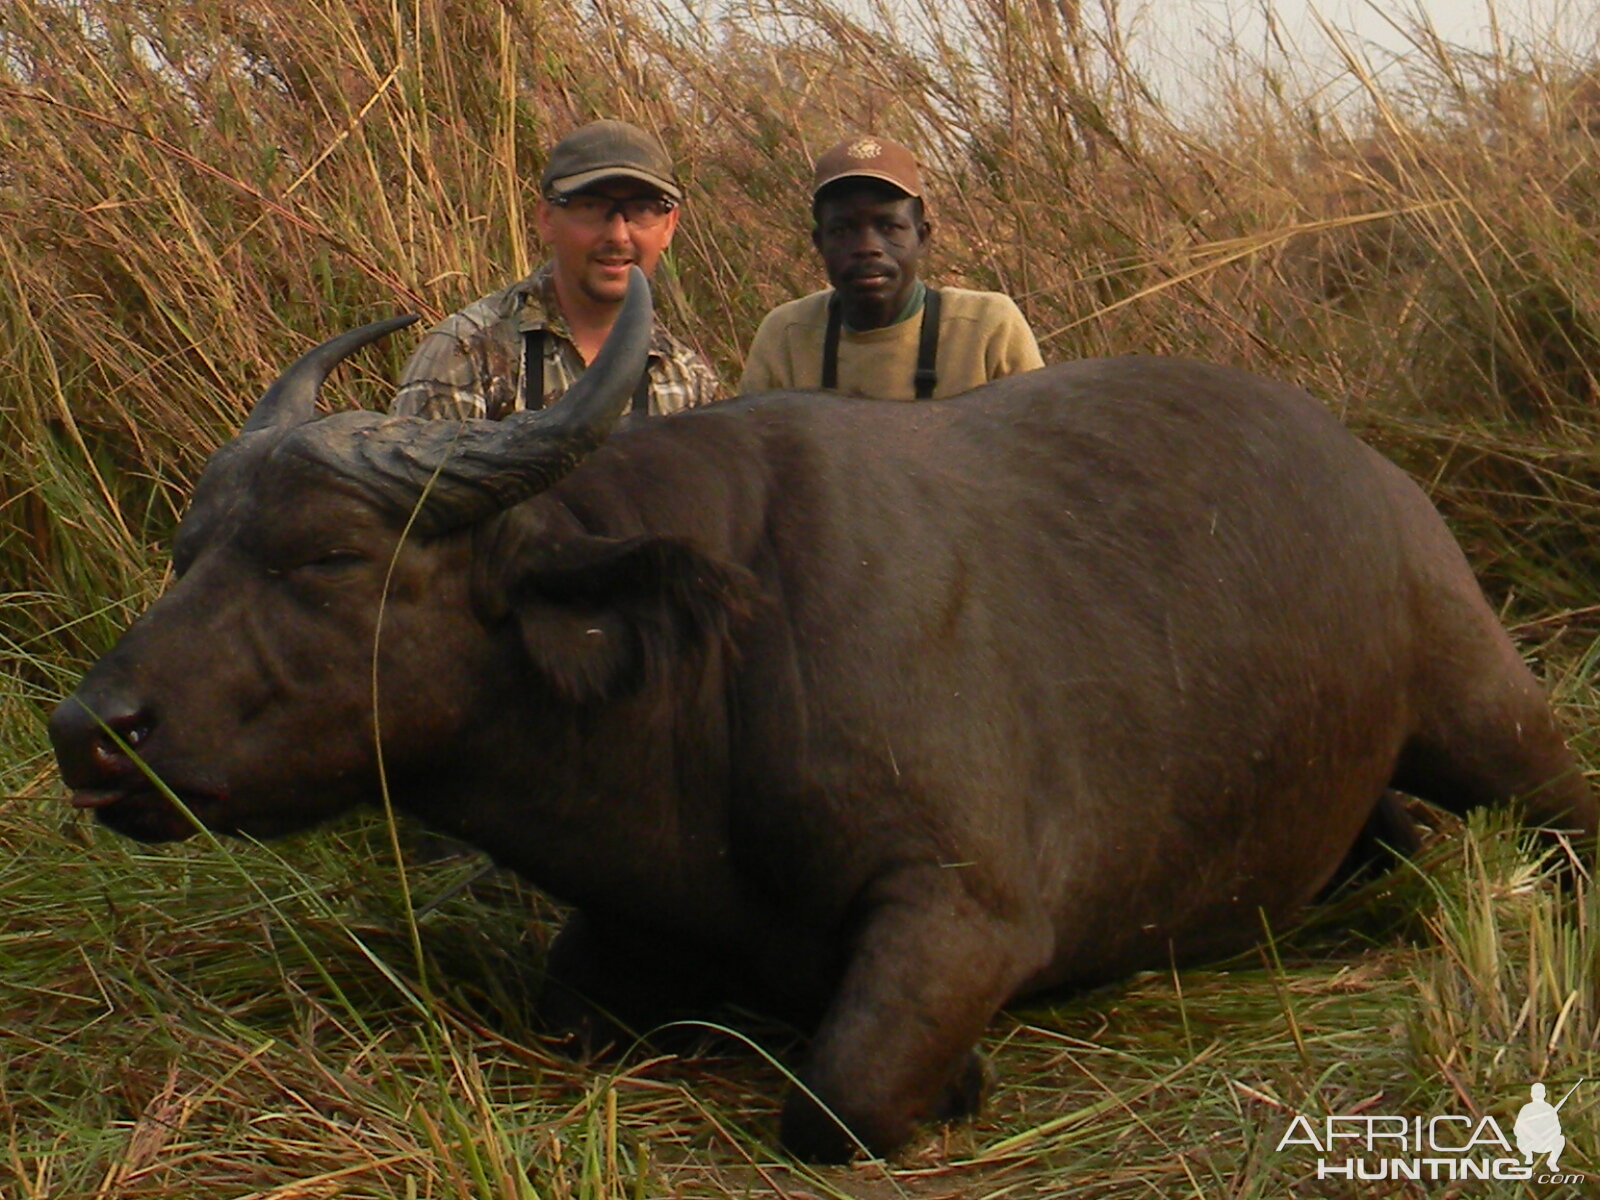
{"x":864,"y":148}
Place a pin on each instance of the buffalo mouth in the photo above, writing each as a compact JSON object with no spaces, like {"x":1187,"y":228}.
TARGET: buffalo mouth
{"x":144,"y":813}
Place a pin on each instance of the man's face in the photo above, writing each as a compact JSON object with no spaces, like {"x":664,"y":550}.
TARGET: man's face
{"x":871,"y":237}
{"x":593,"y":241}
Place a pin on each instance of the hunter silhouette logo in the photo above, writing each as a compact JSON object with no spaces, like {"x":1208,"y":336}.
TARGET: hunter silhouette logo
{"x":1538,"y":1127}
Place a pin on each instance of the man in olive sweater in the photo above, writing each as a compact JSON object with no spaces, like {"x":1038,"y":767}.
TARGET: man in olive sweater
{"x":879,"y":331}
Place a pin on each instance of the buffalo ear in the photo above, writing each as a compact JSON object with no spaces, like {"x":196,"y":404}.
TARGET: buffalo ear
{"x":600,"y":617}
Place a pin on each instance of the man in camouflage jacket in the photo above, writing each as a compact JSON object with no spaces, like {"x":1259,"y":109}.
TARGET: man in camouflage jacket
{"x":609,"y":200}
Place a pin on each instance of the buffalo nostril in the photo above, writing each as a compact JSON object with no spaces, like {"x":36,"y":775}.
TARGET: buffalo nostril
{"x":130,"y":730}
{"x":93,"y":740}
{"x":107,"y":755}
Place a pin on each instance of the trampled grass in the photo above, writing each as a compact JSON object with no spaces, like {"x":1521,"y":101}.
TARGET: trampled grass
{"x":191,"y":193}
{"x":247,"y":1021}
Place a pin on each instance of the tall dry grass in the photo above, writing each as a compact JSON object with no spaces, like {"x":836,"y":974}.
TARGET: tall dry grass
{"x":192,"y":192}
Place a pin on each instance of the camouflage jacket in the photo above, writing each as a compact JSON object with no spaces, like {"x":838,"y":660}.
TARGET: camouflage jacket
{"x":471,"y":364}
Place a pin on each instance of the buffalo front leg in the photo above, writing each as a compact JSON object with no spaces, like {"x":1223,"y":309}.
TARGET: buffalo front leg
{"x":929,"y":968}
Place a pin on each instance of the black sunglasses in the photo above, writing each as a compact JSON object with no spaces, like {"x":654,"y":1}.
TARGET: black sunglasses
{"x":641,"y":212}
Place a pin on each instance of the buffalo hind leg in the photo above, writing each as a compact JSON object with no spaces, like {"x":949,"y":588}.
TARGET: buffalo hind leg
{"x":929,"y":969}
{"x":1486,"y":736}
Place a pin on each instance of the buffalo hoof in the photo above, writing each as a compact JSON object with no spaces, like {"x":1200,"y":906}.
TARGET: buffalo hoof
{"x":606,"y":981}
{"x":967,"y":1094}
{"x":814,"y":1134}
{"x":583,"y":1030}
{"x":587,"y":1032}
{"x":834,"y":1133}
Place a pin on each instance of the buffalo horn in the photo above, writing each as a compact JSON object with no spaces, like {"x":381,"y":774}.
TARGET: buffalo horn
{"x":292,"y":397}
{"x":466,"y":471}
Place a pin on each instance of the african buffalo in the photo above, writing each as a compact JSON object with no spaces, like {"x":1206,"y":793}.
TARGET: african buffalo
{"x":892,"y":712}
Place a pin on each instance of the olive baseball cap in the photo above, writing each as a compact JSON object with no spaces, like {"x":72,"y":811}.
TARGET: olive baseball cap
{"x":607,"y":150}
{"x":868,"y":157}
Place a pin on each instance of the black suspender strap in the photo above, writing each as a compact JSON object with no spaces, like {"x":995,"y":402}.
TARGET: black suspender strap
{"x":533,"y":369}
{"x":926,"y":376}
{"x":927,"y":346}
{"x":830,"y":344}
{"x":533,"y":376}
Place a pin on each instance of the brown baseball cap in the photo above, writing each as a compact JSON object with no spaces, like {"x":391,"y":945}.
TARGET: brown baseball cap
{"x":869,"y":157}
{"x":607,"y":150}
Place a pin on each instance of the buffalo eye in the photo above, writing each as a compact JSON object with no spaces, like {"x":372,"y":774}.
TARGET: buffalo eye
{"x":333,"y":561}
{"x":327,"y":565}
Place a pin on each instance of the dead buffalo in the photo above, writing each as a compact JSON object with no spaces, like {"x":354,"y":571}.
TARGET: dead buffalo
{"x":892,"y":711}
